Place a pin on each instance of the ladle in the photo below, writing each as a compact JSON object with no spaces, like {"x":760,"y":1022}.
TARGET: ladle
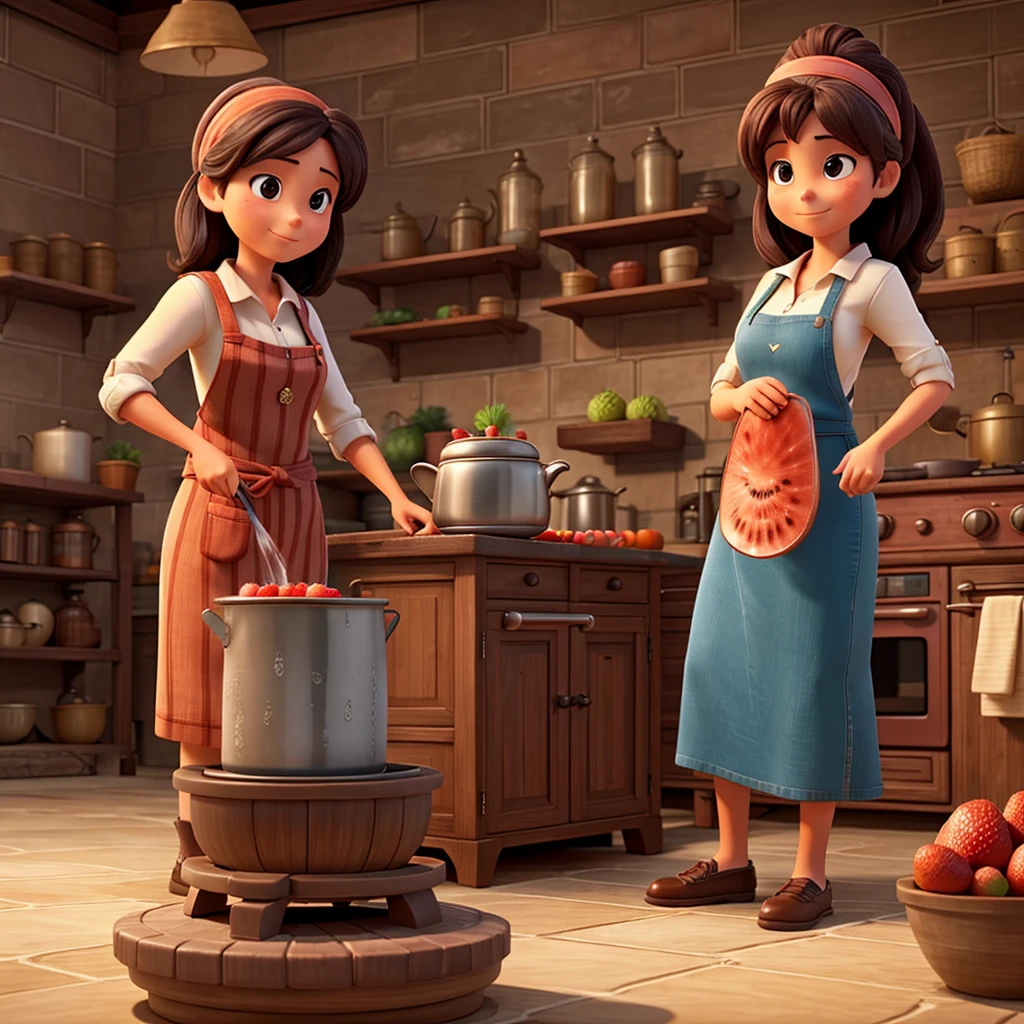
{"x":273,"y":561}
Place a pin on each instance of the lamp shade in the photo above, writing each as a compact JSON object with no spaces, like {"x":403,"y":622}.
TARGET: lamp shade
{"x":203,"y":38}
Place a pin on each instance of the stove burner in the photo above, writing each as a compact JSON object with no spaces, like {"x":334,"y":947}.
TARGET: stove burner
{"x":1000,"y":470}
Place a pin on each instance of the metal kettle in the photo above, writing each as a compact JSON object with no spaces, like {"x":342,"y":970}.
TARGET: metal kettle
{"x":591,"y":184}
{"x":519,"y":192}
{"x":590,"y":505}
{"x":656,"y":174}
{"x":467,"y":225}
{"x":401,"y":238}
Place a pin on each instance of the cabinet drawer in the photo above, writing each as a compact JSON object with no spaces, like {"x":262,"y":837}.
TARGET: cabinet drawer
{"x":616,"y":586}
{"x":540,"y":582}
{"x":916,"y":776}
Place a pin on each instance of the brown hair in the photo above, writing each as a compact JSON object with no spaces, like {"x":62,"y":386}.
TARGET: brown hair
{"x":274,"y":129}
{"x":899,"y":228}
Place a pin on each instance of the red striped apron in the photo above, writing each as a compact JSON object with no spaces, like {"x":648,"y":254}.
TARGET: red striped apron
{"x":258,"y":412}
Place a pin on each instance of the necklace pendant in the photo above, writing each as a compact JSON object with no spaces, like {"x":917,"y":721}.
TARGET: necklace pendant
{"x":285,"y":396}
{"x":774,"y":348}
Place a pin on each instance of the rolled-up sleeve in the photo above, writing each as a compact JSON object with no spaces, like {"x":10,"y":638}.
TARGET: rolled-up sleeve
{"x":893,"y":318}
{"x":338,"y":419}
{"x":177,"y":323}
{"x":728,"y":371}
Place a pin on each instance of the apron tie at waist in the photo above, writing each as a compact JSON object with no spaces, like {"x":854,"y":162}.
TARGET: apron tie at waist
{"x":824,"y":428}
{"x":262,"y":479}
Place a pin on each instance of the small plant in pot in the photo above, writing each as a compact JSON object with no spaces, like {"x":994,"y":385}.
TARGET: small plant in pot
{"x":121,"y":467}
{"x":433,"y":421}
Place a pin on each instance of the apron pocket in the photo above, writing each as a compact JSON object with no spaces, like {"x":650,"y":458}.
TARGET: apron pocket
{"x":226,"y":531}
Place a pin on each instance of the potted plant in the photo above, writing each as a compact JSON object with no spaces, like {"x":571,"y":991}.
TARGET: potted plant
{"x":121,"y":467}
{"x":433,"y":421}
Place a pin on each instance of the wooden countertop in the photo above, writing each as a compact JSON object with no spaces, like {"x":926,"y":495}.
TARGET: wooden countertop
{"x":396,"y":544}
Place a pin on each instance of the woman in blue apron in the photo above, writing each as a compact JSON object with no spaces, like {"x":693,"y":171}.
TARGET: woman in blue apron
{"x":777,"y":692}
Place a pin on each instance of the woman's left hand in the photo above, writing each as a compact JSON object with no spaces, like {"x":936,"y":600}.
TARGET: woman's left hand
{"x":861,"y":469}
{"x":410,"y":516}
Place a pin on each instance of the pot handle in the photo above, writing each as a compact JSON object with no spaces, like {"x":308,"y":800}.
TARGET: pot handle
{"x":424,"y":476}
{"x":961,"y":425}
{"x":390,"y":627}
{"x":431,"y":231}
{"x":218,"y":625}
{"x":31,"y":443}
{"x":1002,"y":398}
{"x":95,"y":542}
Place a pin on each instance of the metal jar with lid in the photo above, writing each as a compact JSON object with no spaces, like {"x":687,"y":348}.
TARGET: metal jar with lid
{"x":709,"y":485}
{"x":1009,"y":242}
{"x":74,"y":542}
{"x":590,"y":505}
{"x":65,"y":259}
{"x":12,"y":541}
{"x":33,"y":543}
{"x":656,"y":174}
{"x":467,"y":226}
{"x":591,"y":184}
{"x":401,"y":238}
{"x":62,"y":451}
{"x":519,"y":191}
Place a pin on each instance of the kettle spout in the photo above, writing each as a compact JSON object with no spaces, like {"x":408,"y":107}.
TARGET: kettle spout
{"x":553,"y":470}
{"x":424,"y":476}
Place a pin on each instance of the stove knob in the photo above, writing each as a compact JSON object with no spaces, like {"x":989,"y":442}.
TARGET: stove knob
{"x":923,"y":526}
{"x":886,"y":524}
{"x":1017,"y":518}
{"x":978,"y":522}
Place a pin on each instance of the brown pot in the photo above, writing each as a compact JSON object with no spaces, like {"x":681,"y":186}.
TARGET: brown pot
{"x":75,"y":625}
{"x":433,"y":442}
{"x":627,"y":274}
{"x":119,"y":474}
{"x":100,"y":267}
{"x":64,"y":261}
{"x":28,"y":255}
{"x":79,"y":723}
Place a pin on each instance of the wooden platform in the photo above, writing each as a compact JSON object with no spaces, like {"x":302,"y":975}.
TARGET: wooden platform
{"x":332,"y":965}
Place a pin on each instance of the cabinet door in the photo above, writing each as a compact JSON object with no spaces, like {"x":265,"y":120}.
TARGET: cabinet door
{"x":610,"y":741}
{"x":527,"y":749}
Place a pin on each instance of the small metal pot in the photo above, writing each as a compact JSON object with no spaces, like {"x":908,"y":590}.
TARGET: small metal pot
{"x":590,"y":505}
{"x":489,"y":485}
{"x":995,"y":433}
{"x":401,"y":238}
{"x":591,"y":184}
{"x":467,"y":226}
{"x":12,"y":630}
{"x":305,"y":684}
{"x":62,"y":452}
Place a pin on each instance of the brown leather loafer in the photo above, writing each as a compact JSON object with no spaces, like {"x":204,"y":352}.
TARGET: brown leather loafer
{"x":702,"y":885}
{"x":798,"y":905}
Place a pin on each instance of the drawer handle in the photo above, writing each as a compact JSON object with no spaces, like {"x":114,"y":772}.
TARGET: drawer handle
{"x":583,"y":701}
{"x":564,"y":700}
{"x":901,"y":613}
{"x":614,"y":583}
{"x":542,"y":620}
{"x":531,"y":579}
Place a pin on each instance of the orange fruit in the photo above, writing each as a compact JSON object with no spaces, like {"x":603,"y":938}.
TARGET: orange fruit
{"x":650,"y":540}
{"x":628,"y":539}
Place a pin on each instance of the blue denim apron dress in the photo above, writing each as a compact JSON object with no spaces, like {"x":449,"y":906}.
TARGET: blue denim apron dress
{"x":777,"y":688}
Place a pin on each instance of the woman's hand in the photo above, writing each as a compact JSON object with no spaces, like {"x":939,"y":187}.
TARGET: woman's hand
{"x":409,"y":516}
{"x":763,"y":396}
{"x":214,"y":470}
{"x":861,"y":469}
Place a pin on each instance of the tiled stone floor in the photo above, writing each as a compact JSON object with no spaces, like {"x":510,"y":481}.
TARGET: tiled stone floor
{"x":76,"y":854}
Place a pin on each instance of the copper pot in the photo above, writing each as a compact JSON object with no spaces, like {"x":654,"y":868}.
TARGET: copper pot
{"x":995,"y":432}
{"x":65,"y":259}
{"x":74,"y":542}
{"x":75,"y":625}
{"x":12,"y":541}
{"x":33,"y":543}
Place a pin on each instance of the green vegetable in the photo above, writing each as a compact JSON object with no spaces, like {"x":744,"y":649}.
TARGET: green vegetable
{"x":431,"y":419}
{"x":443,"y":312}
{"x":492,"y":415}
{"x":385,"y":317}
{"x":404,"y":316}
{"x":124,"y":452}
{"x":403,"y":447}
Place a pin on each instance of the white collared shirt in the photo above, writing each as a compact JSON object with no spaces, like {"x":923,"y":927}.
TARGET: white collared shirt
{"x":875,"y":302}
{"x":185,"y":320}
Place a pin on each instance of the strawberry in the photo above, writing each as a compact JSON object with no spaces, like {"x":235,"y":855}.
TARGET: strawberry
{"x":332,"y":592}
{"x":286,"y":590}
{"x":547,"y":535}
{"x":600,"y":540}
{"x":1015,"y":872}
{"x":491,"y":431}
{"x":248,"y":590}
{"x":316,"y":590}
{"x":458,"y":433}
{"x":989,"y":882}
{"x":1013,"y":812}
{"x":578,"y":537}
{"x":629,"y":538}
{"x":939,"y":869}
{"x":521,"y":434}
{"x":978,"y":832}
{"x":268,"y":590}
{"x":611,"y":534}
{"x":299,"y":589}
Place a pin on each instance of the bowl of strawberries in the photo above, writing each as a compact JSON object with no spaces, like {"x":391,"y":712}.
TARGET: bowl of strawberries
{"x":965,"y":900}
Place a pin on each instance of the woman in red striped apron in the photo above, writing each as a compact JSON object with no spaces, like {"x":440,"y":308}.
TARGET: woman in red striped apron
{"x":274,"y":169}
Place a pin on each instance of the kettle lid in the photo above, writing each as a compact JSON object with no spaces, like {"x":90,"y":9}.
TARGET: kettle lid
{"x":466,"y":210}
{"x":1001,"y":408}
{"x":586,"y":485}
{"x":400,"y":216}
{"x":518,"y":167}
{"x":592,"y":148}
{"x":655,"y":140}
{"x":74,"y":524}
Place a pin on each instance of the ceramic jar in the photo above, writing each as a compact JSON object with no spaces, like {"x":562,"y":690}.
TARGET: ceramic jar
{"x":12,"y":541}
{"x":74,"y":542}
{"x":64,"y":260}
{"x":75,"y":625}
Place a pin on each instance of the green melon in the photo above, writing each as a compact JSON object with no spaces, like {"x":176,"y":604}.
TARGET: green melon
{"x":608,"y":405}
{"x":646,"y":407}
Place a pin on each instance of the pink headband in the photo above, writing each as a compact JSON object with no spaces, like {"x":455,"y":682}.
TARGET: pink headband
{"x":242,"y":104}
{"x":824,"y":66}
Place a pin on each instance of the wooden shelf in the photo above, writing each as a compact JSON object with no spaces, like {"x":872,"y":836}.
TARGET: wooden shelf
{"x":388,"y":339}
{"x":699,"y":222}
{"x":25,"y":488}
{"x":509,"y":260}
{"x":55,"y":574}
{"x":979,"y":290}
{"x":622,"y":436}
{"x":15,"y":285}
{"x":704,"y":291}
{"x":78,"y":654}
{"x":352,"y":480}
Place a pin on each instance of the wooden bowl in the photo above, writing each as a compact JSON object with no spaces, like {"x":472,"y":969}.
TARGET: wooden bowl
{"x":490,"y":304}
{"x":579,"y":282}
{"x":79,"y":723}
{"x":309,"y":827}
{"x":627,"y":274}
{"x":975,"y":944}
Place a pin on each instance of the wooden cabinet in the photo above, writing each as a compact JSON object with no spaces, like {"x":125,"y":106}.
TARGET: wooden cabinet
{"x":523,"y":672}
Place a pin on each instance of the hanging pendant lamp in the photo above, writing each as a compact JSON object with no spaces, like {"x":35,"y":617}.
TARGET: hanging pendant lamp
{"x":203,"y":38}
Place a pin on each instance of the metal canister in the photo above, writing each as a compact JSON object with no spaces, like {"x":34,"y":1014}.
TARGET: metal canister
{"x":467,"y":226}
{"x":65,"y":259}
{"x":519,"y":191}
{"x":591,"y":184}
{"x":12,"y":541}
{"x":33,"y":543}
{"x":74,"y":542}
{"x":656,"y":174}
{"x":710,"y":484}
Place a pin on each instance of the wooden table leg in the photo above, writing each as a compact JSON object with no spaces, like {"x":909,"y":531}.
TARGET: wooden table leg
{"x":199,"y":902}
{"x":474,"y":860}
{"x":415,"y":909}
{"x":705,"y":808}
{"x":645,"y":838}
{"x":257,"y":919}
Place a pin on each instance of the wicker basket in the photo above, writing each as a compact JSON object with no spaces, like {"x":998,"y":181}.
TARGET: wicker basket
{"x":969,"y":253}
{"x":992,"y":165}
{"x":1010,"y":242}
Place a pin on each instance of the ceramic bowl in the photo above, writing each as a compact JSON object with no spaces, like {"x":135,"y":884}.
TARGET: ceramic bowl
{"x":579,"y":282}
{"x":975,"y":944}
{"x":627,"y":274}
{"x":16,"y":721}
{"x":79,"y":723}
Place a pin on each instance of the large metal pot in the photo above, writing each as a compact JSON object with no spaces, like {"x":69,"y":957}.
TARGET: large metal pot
{"x":591,"y":505}
{"x":489,"y":485}
{"x":305,"y":684}
{"x":62,"y":452}
{"x":995,"y":433}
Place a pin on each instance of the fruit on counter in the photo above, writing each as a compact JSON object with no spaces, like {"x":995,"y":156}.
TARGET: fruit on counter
{"x":248,"y":590}
{"x":978,"y":832}
{"x":403,"y":447}
{"x":1015,"y":872}
{"x":491,"y":431}
{"x":605,"y":406}
{"x":268,"y":590}
{"x":495,"y":415}
{"x":628,"y":539}
{"x":578,"y":537}
{"x":521,"y":434}
{"x":646,"y":407}
{"x":458,"y":433}
{"x":288,"y":590}
{"x":449,"y":310}
{"x":940,"y":869}
{"x":384,"y":317}
{"x":292,"y":590}
{"x":989,"y":882}
{"x":548,"y":535}
{"x":597,"y":538}
{"x":1013,"y":812}
{"x":650,"y":540}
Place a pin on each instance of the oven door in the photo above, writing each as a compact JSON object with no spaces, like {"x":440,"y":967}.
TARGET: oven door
{"x":908,"y":674}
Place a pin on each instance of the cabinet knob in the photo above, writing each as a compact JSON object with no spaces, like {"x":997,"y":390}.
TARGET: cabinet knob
{"x":531,"y":579}
{"x":564,"y":700}
{"x":923,"y":526}
{"x":614,"y":583}
{"x":979,"y":522}
{"x":582,"y":700}
{"x":886,"y":524}
{"x":1017,"y":519}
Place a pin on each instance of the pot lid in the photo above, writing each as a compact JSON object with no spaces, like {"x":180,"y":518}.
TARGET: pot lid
{"x":9,"y":524}
{"x":8,"y":618}
{"x":466,"y":210}
{"x":518,"y":168}
{"x":1002,"y":408}
{"x":59,"y":236}
{"x":74,"y":525}
{"x":30,"y":238}
{"x":63,"y":426}
{"x":31,"y":527}
{"x":655,"y":141}
{"x":592,"y":149}
{"x":588,"y":485}
{"x":399,"y":218}
{"x":98,"y":245}
{"x":489,"y":448}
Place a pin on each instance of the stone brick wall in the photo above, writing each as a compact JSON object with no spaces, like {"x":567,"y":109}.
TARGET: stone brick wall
{"x":445,"y":90}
